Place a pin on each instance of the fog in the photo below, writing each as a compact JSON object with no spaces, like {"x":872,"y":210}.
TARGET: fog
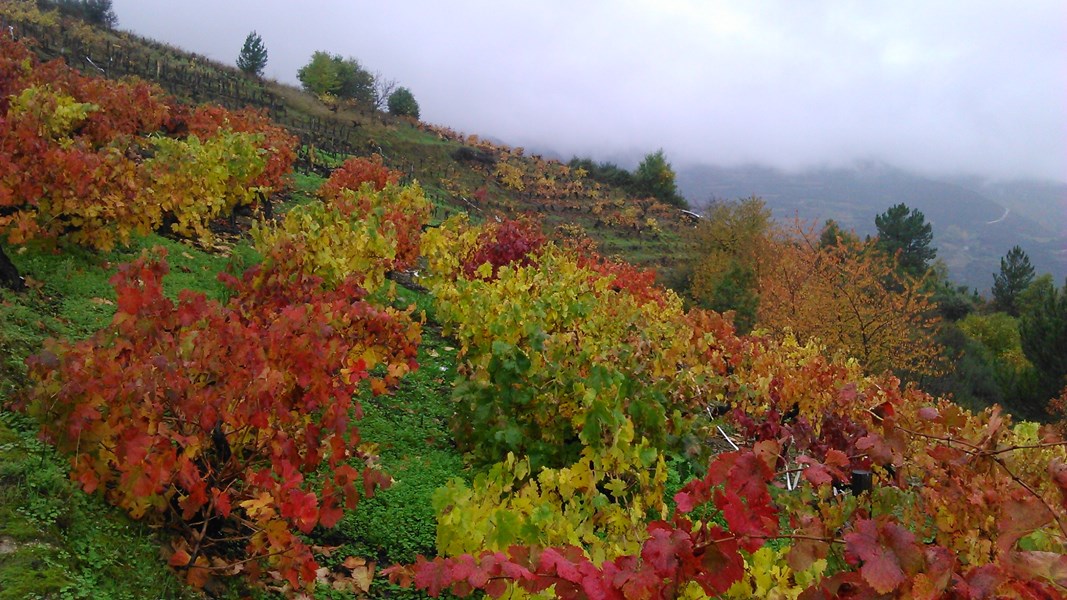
{"x":939,"y":87}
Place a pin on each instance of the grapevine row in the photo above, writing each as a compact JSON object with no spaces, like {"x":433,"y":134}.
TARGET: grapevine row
{"x":587,"y":383}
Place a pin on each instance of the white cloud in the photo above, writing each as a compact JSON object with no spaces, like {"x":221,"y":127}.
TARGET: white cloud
{"x":940,"y":86}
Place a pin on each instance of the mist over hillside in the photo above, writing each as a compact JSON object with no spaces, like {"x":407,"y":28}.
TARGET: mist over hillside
{"x":975,"y":222}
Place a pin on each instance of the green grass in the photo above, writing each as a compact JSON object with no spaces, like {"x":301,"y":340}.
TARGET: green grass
{"x":411,"y":430}
{"x":62,"y":543}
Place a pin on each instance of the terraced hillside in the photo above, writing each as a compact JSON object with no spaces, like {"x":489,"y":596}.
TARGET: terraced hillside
{"x":459,"y":173}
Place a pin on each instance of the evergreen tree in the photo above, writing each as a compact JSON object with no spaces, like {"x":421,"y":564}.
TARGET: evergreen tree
{"x":832,"y":235}
{"x":1043,"y":332}
{"x":402,"y":103}
{"x":736,"y":290}
{"x":1016,"y":273}
{"x":253,"y":56}
{"x":604,"y":172}
{"x":654,"y":177}
{"x":905,"y":231}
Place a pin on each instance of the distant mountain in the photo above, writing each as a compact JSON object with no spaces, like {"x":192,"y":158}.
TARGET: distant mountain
{"x":1043,"y":201}
{"x":975,"y":223}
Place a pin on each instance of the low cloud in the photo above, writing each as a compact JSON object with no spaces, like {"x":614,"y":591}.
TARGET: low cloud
{"x":941,"y":87}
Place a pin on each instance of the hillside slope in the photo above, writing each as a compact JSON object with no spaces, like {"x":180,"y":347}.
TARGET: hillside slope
{"x":972,"y":231}
{"x":459,"y":173}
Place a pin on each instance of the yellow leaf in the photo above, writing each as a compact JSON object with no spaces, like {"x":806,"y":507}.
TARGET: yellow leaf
{"x":258,"y":505}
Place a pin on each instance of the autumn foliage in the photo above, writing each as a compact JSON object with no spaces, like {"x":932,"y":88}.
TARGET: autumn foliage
{"x":355,"y":172}
{"x":504,"y":242}
{"x":852,"y":299}
{"x":581,"y":384}
{"x":60,"y":174}
{"x":276,"y":145}
{"x":845,"y":484}
{"x":359,"y":229}
{"x":94,"y":161}
{"x":217,"y":419}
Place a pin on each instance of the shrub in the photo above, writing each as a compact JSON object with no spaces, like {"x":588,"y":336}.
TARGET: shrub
{"x":216,"y":419}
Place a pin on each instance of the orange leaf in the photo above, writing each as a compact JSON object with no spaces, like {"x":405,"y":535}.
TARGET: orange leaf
{"x":179,"y":559}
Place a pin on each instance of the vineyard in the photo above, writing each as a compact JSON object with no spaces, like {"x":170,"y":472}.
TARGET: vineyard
{"x":191,"y":407}
{"x":459,"y":172}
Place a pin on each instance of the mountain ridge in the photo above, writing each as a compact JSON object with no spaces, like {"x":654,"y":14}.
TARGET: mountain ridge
{"x":971,"y":229}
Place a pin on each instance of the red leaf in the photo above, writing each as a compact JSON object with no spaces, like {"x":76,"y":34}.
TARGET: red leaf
{"x":330,"y":515}
{"x":635,"y":581}
{"x":302,"y":509}
{"x":222,"y":503}
{"x":940,"y":565}
{"x":722,"y":564}
{"x":432,"y":576}
{"x":980,"y":582}
{"x":89,"y":481}
{"x":663,"y":548}
{"x":929,"y":413}
{"x":374,"y":479}
{"x":816,"y":473}
{"x":836,"y":458}
{"x":694,"y":493}
{"x":1020,"y":517}
{"x":804,"y":552}
{"x":1051,"y":566}
{"x":552,"y":562}
{"x":885,"y":549}
{"x":683,"y":500}
{"x":753,"y":522}
{"x":496,"y":588}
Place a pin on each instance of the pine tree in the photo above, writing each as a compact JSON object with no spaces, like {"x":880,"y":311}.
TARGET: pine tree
{"x":1043,"y":332}
{"x":905,"y":231}
{"x":1016,"y":273}
{"x":253,"y":56}
{"x":832,"y":235}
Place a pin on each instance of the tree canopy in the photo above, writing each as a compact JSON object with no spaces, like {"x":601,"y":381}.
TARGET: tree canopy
{"x":1016,"y":273}
{"x":733,"y":241}
{"x":336,"y":76}
{"x":253,"y":56}
{"x":905,"y":231}
{"x":654,"y":177}
{"x":850,"y":298}
{"x":1043,"y":330}
{"x":402,"y":103}
{"x":97,"y":12}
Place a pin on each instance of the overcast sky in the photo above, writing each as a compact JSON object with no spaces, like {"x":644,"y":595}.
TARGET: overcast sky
{"x":954,"y":87}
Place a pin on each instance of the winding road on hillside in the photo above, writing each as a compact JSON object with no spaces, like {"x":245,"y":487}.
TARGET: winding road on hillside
{"x":1004,"y":216}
